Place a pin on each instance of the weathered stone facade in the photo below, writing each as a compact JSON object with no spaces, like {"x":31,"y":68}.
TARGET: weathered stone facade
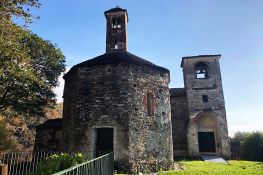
{"x":206,"y":106}
{"x":48,"y":136}
{"x":124,"y":102}
{"x":179,"y":113}
{"x":116,"y":31}
{"x":114,"y":95}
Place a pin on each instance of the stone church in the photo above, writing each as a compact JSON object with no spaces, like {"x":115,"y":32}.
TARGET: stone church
{"x":122,"y":103}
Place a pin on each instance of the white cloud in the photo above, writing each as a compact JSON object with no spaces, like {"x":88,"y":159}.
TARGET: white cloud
{"x":59,"y":89}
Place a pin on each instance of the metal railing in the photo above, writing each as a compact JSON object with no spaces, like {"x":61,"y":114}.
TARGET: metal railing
{"x":103,"y":165}
{"x":21,"y":163}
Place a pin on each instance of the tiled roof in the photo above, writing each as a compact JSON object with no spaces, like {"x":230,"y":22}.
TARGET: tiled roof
{"x":116,"y":58}
{"x":116,"y":9}
{"x":51,"y":124}
{"x":177,"y":92}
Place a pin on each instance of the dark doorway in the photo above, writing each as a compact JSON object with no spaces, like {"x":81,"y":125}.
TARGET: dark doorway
{"x":104,"y":141}
{"x":206,"y":142}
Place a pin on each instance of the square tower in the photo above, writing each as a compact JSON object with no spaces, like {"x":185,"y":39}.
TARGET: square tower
{"x":207,"y":131}
{"x":116,"y":36}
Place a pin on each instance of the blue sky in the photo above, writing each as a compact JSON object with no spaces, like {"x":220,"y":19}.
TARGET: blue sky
{"x":163,"y":31}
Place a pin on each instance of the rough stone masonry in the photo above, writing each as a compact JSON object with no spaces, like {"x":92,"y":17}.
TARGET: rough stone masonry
{"x":122,"y":103}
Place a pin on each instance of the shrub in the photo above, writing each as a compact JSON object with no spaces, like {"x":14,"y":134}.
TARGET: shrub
{"x":58,"y":162}
{"x":235,"y":144}
{"x":252,"y":147}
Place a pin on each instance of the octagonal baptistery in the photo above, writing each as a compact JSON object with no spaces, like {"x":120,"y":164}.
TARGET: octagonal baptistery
{"x":119,"y":102}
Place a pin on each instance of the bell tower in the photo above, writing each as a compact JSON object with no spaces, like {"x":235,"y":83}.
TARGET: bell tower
{"x":116,"y":35}
{"x":207,"y":130}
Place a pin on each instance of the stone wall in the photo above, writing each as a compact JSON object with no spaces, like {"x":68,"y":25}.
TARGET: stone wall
{"x":214,"y":106}
{"x":150,"y":135}
{"x":116,"y":35}
{"x":49,"y":136}
{"x":179,"y":113}
{"x":114,"y":96}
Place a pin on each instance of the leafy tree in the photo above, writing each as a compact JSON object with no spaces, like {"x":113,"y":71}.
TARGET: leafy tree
{"x":18,"y":9}
{"x":252,"y":147}
{"x":235,"y":143}
{"x":26,"y":86}
{"x":29,"y":65}
{"x":6,"y":142}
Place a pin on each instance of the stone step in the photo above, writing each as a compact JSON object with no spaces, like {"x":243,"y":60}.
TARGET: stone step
{"x":213,"y":158}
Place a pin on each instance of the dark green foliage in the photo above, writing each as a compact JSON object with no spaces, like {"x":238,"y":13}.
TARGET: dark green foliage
{"x":59,"y":162}
{"x":29,"y":65}
{"x":6,"y":142}
{"x":26,"y":85}
{"x":247,"y":146}
{"x":235,"y":144}
{"x":252,"y":147}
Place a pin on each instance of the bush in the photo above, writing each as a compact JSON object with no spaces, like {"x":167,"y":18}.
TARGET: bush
{"x":252,"y":147}
{"x":58,"y":162}
{"x":235,"y":144}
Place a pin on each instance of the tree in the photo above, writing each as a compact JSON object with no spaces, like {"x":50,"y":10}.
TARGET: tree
{"x":18,"y":9}
{"x":252,"y":147}
{"x":26,"y":86}
{"x":29,"y":65}
{"x":235,"y":143}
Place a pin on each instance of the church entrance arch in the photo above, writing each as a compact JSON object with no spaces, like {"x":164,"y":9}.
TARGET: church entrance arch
{"x":207,"y":132}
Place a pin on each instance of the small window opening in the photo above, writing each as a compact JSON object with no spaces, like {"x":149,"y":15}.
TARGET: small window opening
{"x":116,"y":23}
{"x":116,"y":45}
{"x":150,"y":104}
{"x":113,"y":23}
{"x":201,"y":70}
{"x":205,"y":98}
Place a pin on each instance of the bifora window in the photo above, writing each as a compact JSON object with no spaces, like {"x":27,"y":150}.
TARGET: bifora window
{"x":116,"y":22}
{"x":201,"y":70}
{"x":150,"y":108}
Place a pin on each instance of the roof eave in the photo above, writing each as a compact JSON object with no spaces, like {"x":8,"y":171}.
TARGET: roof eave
{"x":198,"y":56}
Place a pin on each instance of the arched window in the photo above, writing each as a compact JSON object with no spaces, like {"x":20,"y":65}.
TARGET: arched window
{"x":116,"y":45}
{"x":116,"y":22}
{"x":201,"y":70}
{"x":150,"y":104}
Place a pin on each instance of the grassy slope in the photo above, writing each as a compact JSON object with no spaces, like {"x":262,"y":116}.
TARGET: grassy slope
{"x":207,"y":168}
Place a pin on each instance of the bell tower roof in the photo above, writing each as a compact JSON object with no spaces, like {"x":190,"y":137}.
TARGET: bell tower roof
{"x":116,"y":9}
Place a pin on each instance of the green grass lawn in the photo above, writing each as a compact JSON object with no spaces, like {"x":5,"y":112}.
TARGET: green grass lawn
{"x":207,"y":168}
